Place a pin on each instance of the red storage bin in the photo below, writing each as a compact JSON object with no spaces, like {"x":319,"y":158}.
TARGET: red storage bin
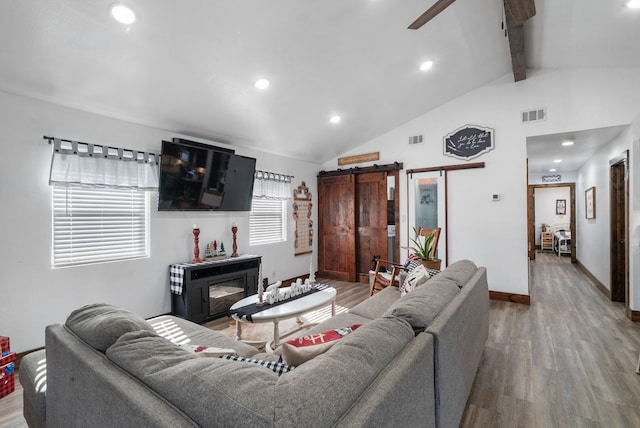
{"x":6,"y":358}
{"x":7,"y":379}
{"x":5,"y":344}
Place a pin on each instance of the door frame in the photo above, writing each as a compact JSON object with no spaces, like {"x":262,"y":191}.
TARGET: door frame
{"x":531,"y":219}
{"x":615,"y":215}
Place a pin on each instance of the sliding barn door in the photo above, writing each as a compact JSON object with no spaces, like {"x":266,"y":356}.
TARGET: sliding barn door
{"x":371,"y":237}
{"x":336,"y":228}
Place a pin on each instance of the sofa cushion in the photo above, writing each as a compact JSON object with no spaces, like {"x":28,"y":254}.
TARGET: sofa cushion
{"x":421,"y":306}
{"x":100,"y":324}
{"x":242,"y":394}
{"x":376,"y":305}
{"x":320,"y":391}
{"x":182,"y":332}
{"x":459,"y":272}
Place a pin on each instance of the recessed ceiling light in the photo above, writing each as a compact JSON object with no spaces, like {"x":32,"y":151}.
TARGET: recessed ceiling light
{"x":122,"y":14}
{"x":633,"y":4}
{"x":567,"y":143}
{"x":261,"y":84}
{"x":557,"y":160}
{"x":552,"y":170}
{"x":335,"y":119}
{"x":426,"y":65}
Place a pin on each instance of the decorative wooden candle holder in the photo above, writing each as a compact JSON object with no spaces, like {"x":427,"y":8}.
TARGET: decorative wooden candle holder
{"x":196,"y":250}
{"x":234,"y":230}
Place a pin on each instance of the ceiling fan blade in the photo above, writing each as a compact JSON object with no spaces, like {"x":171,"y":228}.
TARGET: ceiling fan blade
{"x":520,"y":10}
{"x":431,"y":13}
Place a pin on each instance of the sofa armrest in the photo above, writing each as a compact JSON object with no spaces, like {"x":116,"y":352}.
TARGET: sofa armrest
{"x":33,"y":378}
{"x":404,"y":391}
{"x":80,"y":380}
{"x":460,"y":332}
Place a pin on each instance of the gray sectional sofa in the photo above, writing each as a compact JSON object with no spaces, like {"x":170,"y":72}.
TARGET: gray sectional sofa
{"x":411,"y":363}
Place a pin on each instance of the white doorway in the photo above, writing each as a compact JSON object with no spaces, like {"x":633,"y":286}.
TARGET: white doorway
{"x":427,"y":207}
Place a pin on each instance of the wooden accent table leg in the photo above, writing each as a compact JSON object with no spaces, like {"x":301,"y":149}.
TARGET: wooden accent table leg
{"x":276,"y":333}
{"x":238,"y":330}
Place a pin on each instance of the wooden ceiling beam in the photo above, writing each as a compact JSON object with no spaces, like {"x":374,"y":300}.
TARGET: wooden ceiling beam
{"x":431,"y":13}
{"x":515,"y":33}
{"x":520,"y":10}
{"x":516,"y":13}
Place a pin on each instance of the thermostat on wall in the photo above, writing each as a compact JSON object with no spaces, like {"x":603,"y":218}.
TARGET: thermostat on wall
{"x":495,"y":196}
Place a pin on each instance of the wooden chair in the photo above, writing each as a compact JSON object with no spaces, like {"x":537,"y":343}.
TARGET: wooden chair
{"x":381,"y":279}
{"x":434,"y":244}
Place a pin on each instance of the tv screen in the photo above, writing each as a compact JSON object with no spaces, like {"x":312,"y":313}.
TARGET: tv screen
{"x":198,"y":177}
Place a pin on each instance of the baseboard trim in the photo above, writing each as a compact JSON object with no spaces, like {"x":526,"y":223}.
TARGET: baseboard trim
{"x":522,"y":299}
{"x":600,"y":286}
{"x":633,"y":315}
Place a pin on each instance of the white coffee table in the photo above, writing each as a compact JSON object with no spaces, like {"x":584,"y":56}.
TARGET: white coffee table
{"x":274,"y":314}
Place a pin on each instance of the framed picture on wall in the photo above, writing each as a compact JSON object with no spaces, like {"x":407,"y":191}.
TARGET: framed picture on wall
{"x":590,"y":203}
{"x":561,"y":206}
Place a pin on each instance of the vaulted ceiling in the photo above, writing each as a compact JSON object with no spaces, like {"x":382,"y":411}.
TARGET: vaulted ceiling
{"x":189,"y":67}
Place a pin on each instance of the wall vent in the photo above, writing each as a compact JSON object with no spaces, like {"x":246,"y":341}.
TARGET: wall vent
{"x":416,"y":139}
{"x":534,"y":115}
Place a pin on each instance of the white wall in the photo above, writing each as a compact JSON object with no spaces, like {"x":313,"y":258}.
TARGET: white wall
{"x":545,"y":207}
{"x":594,"y":235}
{"x":34,"y":294}
{"x":565,"y":177}
{"x":494,"y":234}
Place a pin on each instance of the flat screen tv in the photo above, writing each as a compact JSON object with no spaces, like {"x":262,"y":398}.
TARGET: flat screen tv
{"x":199,"y":177}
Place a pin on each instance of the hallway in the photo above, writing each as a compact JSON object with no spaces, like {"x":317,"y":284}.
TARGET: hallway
{"x":567,"y":360}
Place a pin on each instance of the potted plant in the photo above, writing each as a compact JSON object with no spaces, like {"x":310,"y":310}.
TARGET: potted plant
{"x":421,"y":247}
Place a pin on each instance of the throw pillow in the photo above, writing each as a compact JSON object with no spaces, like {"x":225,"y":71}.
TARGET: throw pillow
{"x":100,"y":324}
{"x":416,"y":277}
{"x":411,"y":263}
{"x":276,"y":366}
{"x":304,"y":348}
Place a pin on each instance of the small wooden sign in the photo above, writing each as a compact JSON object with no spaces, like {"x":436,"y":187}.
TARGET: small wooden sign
{"x":368,"y":157}
{"x":468,"y":142}
{"x":303,"y":224}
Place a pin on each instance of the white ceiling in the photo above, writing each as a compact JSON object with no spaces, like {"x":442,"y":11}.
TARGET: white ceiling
{"x":542,"y":150}
{"x":189,"y":67}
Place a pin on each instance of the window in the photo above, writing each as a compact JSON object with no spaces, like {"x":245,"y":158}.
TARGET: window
{"x":92,"y":225}
{"x":267,"y":221}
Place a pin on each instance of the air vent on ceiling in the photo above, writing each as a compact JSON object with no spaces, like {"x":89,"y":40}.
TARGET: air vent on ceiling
{"x":534,"y":115}
{"x":416,"y":139}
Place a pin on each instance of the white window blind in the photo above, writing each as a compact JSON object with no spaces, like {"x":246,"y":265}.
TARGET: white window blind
{"x":98,"y":225}
{"x":267,"y":221}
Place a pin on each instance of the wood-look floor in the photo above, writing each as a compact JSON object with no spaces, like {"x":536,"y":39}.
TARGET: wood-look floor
{"x":567,"y":360}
